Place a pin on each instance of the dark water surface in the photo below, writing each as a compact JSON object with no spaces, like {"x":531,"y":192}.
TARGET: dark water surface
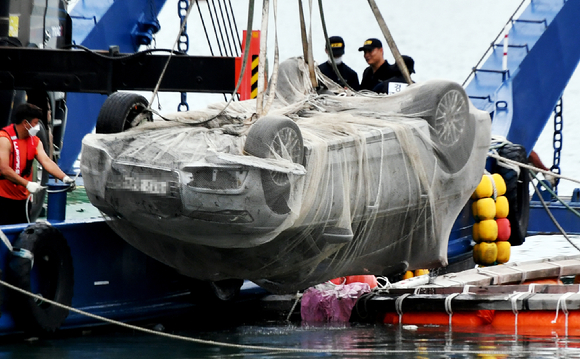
{"x":292,"y":340}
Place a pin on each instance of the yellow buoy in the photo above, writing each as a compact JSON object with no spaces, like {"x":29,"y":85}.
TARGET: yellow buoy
{"x":408,"y":274}
{"x":488,"y":230}
{"x":485,"y":209}
{"x":502,"y":207}
{"x":503,"y":251}
{"x":484,"y":188}
{"x":475,"y":233}
{"x":476,"y":253}
{"x":486,"y":253}
{"x":499,"y":184}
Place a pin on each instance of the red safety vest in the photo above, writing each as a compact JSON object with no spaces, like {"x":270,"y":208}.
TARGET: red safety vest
{"x":22,"y":168}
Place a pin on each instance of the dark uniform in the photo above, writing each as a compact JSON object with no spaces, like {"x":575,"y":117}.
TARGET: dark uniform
{"x":370,"y":79}
{"x":347,"y":73}
{"x":398,"y":82}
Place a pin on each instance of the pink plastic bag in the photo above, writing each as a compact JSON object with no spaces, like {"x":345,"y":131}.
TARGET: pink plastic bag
{"x":331,"y":303}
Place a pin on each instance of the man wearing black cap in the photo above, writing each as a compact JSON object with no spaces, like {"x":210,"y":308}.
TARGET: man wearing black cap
{"x":379,"y":69}
{"x":397,"y":83}
{"x":351,"y":77}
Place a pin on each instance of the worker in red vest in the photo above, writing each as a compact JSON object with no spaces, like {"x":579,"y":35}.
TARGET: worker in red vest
{"x":19,"y":146}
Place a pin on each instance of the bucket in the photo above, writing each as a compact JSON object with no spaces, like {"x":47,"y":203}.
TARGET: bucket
{"x":56,"y":208}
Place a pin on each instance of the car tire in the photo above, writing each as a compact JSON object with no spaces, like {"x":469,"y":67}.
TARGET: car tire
{"x":445,"y":106}
{"x":119,"y":112}
{"x":281,"y":135}
{"x":51,"y":276}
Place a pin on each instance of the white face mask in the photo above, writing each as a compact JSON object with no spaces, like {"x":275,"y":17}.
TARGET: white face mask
{"x":32,"y":131}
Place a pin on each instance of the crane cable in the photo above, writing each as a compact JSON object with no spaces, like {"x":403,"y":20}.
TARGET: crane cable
{"x":243,"y":67}
{"x":394,"y":50}
{"x":262,"y":109}
{"x":329,"y":48}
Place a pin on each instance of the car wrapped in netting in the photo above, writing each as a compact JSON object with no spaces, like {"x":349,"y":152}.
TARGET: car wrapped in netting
{"x":322,"y":186}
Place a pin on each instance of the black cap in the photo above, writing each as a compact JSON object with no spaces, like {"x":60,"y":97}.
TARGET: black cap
{"x":337,"y":46}
{"x":410,"y":63}
{"x":371,"y":44}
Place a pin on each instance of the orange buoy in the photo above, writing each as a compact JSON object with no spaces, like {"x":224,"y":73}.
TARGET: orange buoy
{"x":468,"y":318}
{"x":338,"y":281}
{"x":408,"y":274}
{"x":371,"y":280}
{"x":419,"y":272}
{"x":504,"y":229}
{"x":553,"y":280}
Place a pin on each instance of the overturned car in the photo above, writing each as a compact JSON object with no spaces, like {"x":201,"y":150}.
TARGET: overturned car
{"x":322,"y":186}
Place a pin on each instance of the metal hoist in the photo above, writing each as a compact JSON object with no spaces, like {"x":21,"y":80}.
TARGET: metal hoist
{"x":183,"y":45}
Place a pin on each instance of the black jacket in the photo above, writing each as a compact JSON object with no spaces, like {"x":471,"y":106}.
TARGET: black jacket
{"x":347,"y":73}
{"x":370,"y":79}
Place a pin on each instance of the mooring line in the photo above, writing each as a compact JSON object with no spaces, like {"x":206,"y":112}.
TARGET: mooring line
{"x":365,"y":351}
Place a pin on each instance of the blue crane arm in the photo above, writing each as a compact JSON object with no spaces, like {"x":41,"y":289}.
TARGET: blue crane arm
{"x":543,"y":52}
{"x":99,"y":24}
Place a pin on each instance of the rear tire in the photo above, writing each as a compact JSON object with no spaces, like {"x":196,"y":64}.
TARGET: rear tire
{"x":121,"y":111}
{"x":445,"y":106}
{"x":268,"y":137}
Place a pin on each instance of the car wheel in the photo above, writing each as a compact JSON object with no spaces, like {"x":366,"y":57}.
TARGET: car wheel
{"x":121,"y":111}
{"x":270,"y":137}
{"x":445,"y":106}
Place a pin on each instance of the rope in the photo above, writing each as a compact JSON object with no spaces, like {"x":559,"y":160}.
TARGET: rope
{"x":399,"y":306}
{"x":394,"y":50}
{"x":183,"y":24}
{"x":298,"y":296}
{"x":507,"y":160}
{"x":448,"y":308}
{"x":228,"y":42}
{"x":494,"y":276}
{"x":554,"y":218}
{"x":274,"y":79}
{"x":6,"y":241}
{"x":262,"y":56}
{"x":329,"y":49}
{"x":562,"y":300}
{"x":307,"y":45}
{"x":555,"y":195}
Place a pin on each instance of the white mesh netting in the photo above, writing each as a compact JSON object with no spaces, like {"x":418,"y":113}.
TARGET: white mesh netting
{"x":328,"y":185}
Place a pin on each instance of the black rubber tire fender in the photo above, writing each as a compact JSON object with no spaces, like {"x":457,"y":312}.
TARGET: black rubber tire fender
{"x":279,"y":134}
{"x":445,"y":106}
{"x":119,"y":111}
{"x":517,"y":192}
{"x":53,"y":272}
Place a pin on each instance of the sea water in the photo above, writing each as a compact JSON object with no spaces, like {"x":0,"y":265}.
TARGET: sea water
{"x":446,"y":38}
